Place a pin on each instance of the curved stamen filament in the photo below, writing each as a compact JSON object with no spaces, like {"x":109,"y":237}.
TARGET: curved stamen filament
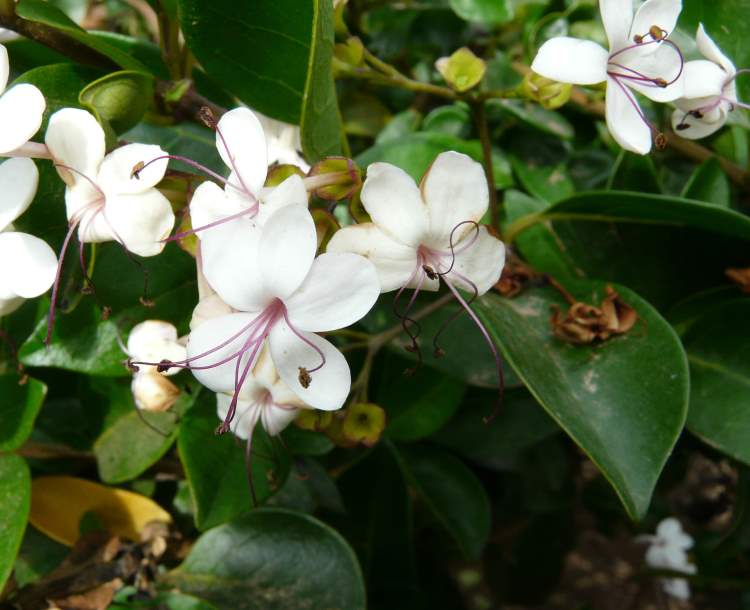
{"x":194,"y":164}
{"x":306,"y":340}
{"x":252,"y":211}
{"x":236,"y":170}
{"x":82,"y":175}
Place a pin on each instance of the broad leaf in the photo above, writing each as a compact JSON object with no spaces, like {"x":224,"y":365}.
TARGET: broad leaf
{"x":120,"y":98}
{"x":15,"y":500}
{"x":245,"y":565}
{"x":488,"y":12}
{"x":20,"y":401}
{"x":709,"y":184}
{"x":624,"y":402}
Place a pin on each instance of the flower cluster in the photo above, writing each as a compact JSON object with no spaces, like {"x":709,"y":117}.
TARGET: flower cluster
{"x":668,"y":551}
{"x":642,"y":58}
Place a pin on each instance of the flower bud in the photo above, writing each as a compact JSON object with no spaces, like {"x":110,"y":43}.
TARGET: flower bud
{"x":313,"y":419}
{"x":153,"y":391}
{"x":278,"y":173}
{"x":363,"y":423}
{"x":334,"y":178}
{"x":548,"y":93}
{"x":463,"y":70}
{"x":349,"y":54}
{"x":325,"y":226}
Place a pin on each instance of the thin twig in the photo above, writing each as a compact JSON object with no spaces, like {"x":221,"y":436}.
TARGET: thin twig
{"x":480,"y":118}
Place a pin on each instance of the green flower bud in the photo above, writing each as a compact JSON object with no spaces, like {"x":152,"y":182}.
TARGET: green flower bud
{"x":548,"y":93}
{"x":463,"y":70}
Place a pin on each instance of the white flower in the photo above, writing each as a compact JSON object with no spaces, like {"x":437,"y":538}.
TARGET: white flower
{"x":282,"y":293}
{"x":639,"y":59}
{"x":152,"y":341}
{"x":710,"y":91}
{"x":103,"y":198}
{"x":284,"y":143}
{"x":27,"y":264}
{"x":21,"y":109}
{"x":263,"y":397}
{"x":418,"y":233}
{"x":8,"y":35}
{"x":668,"y":551}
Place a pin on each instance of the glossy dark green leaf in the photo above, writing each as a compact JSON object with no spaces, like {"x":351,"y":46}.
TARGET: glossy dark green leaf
{"x":120,"y":98}
{"x":414,"y":153}
{"x":273,"y":559}
{"x":20,"y":401}
{"x":709,"y":184}
{"x":258,"y":49}
{"x":533,"y":115}
{"x":624,"y":402}
{"x":15,"y":502}
{"x":215,"y":465}
{"x":549,"y":183}
{"x":718,"y":352}
{"x":635,"y":173}
{"x":487,"y":12}
{"x":321,"y":128}
{"x":452,"y":493}
{"x":453,"y":120}
{"x":37,"y":557}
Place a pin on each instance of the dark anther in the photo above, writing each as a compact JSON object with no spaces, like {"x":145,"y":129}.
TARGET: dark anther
{"x":134,"y":368}
{"x":439,"y":352}
{"x":206,"y":115}
{"x":660,"y":82}
{"x":657,"y":33}
{"x":430,"y":272}
{"x":304,"y":377}
{"x":146,"y":302}
{"x":638,"y":39}
{"x":682,"y":127}
{"x":106,"y":312}
{"x":660,"y":140}
{"x":164,"y":366}
{"x":696,"y":113}
{"x":136,"y":171}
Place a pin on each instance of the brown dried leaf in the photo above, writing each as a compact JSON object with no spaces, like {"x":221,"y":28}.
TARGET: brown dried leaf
{"x":741,"y":277}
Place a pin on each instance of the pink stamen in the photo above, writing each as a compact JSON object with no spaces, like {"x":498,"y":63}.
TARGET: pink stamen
{"x":252,"y":211}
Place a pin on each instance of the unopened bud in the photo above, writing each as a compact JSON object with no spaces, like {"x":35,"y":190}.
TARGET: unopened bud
{"x":153,"y":392}
{"x":334,"y":178}
{"x":348,"y":55}
{"x":326,"y":226}
{"x":463,"y":70}
{"x":546,"y":92}
{"x":363,"y":423}
{"x":278,"y":173}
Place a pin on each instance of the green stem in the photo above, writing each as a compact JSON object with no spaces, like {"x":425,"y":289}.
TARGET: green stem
{"x":480,"y":118}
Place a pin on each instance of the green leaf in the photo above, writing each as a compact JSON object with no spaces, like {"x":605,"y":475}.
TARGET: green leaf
{"x":488,"y":12}
{"x":273,"y":559}
{"x":321,"y":128}
{"x":19,"y":406}
{"x":709,"y":184}
{"x":452,"y":493}
{"x":635,"y":173}
{"x":215,"y":465}
{"x":534,"y":116}
{"x":415,"y":152}
{"x":15,"y":502}
{"x":260,"y":50}
{"x":121,"y":98}
{"x":453,"y":120}
{"x":549,"y":183}
{"x":719,"y":353}
{"x":37,"y":557}
{"x":623,"y":402}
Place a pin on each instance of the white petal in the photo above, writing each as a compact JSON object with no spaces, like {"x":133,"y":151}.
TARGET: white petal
{"x":211,"y":334}
{"x":710,"y":50}
{"x":679,"y":588}
{"x":21,"y":111}
{"x":481,"y":263}
{"x":291,"y":191}
{"x":242,"y":146}
{"x":94,"y":227}
{"x":624,"y":120}
{"x":116,"y":171}
{"x":703,"y":78}
{"x":455,"y":190}
{"x":395,"y":262}
{"x":154,"y":341}
{"x":664,"y":63}
{"x":571,"y":60}
{"x":329,"y":386}
{"x":209,"y":307}
{"x":287,"y":250}
{"x":140,"y":222}
{"x":28,"y":265}
{"x":670,"y":530}
{"x":19,"y":179}
{"x":395,"y":204}
{"x":211,"y":204}
{"x":697,"y":128}
{"x":617,"y":16}
{"x":4,"y":68}
{"x":339,"y":290}
{"x":9,"y":305}
{"x":660,"y":13}
{"x":245,"y":418}
{"x":275,"y":419}
{"x":75,"y":139}
{"x":152,"y":391}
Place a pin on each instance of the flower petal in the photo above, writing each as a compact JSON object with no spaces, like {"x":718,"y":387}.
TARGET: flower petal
{"x":4,"y":68}
{"x":329,"y":386}
{"x":339,"y":290}
{"x":455,"y":191}
{"x":154,"y":341}
{"x":140,"y":222}
{"x":116,"y":171}
{"x":287,"y":250}
{"x":395,"y":204}
{"x":710,"y":50}
{"x":660,"y":13}
{"x":664,"y":63}
{"x":208,"y":336}
{"x":230,"y":256}
{"x":33,"y":267}
{"x":291,"y":191}
{"x":481,"y":263}
{"x":394,"y":262}
{"x":211,"y":306}
{"x":245,"y":418}
{"x":703,"y":78}
{"x":571,"y":60}
{"x":152,"y":391}
{"x":242,"y":145}
{"x":696,"y":128}
{"x":617,"y":17}
{"x":21,"y":111}
{"x":75,"y":139}
{"x":275,"y":419}
{"x":211,"y":204}
{"x":19,"y":179}
{"x":624,"y":119}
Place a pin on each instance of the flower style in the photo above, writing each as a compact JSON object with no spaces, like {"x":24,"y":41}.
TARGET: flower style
{"x":283,"y":294}
{"x":640,"y":58}
{"x":29,"y":264}
{"x":710,"y":91}
{"x":148,"y":341}
{"x":668,"y":550}
{"x":104,"y":200}
{"x":21,"y":109}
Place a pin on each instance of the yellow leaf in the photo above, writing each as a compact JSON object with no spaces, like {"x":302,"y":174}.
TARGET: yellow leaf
{"x":59,"y":503}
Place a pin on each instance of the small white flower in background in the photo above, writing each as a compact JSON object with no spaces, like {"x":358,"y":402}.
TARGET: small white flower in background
{"x":710,"y":91}
{"x":151,"y":341}
{"x":21,"y":109}
{"x":668,"y":551}
{"x":640,"y":58}
{"x":8,"y":35}
{"x":284,"y":142}
{"x":103,"y":198}
{"x":27,"y":264}
{"x":434,"y":227}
